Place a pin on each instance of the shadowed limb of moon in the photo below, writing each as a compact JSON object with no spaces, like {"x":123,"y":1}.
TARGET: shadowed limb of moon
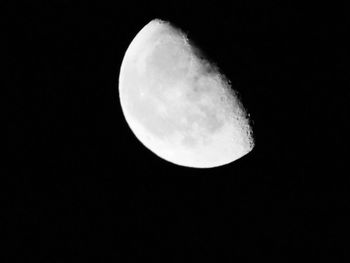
{"x":179,"y":105}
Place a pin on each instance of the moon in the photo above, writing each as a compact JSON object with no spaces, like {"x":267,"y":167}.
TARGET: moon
{"x":178,"y":104}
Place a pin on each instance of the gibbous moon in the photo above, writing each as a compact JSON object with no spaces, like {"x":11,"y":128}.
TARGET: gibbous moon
{"x":178,"y":104}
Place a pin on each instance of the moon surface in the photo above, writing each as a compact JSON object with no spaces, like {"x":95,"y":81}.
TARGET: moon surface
{"x":178,"y":104}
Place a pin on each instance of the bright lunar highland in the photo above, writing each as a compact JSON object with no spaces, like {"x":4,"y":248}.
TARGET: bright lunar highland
{"x":178,"y":104}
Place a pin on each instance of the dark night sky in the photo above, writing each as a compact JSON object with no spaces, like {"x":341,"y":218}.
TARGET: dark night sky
{"x":82,"y":187}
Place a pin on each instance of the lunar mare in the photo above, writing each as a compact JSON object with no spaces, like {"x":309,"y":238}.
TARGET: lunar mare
{"x":177,"y":104}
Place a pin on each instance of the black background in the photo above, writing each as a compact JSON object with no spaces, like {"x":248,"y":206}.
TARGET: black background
{"x":82,"y":187}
